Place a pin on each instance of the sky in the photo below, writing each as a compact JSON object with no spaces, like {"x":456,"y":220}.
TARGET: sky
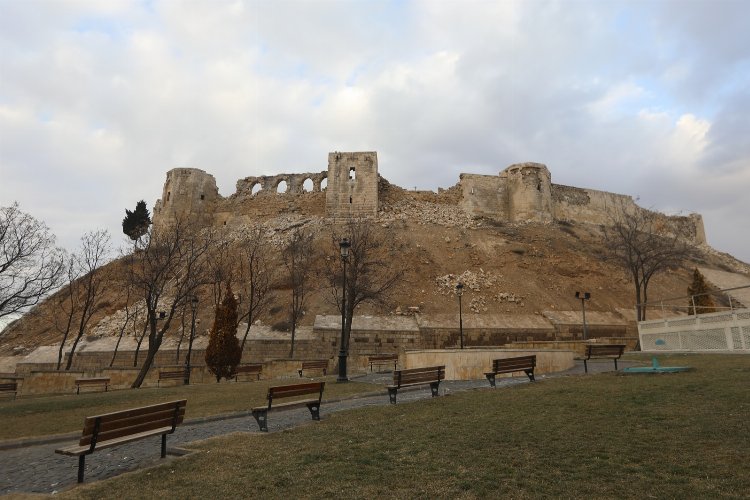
{"x":98,"y":100}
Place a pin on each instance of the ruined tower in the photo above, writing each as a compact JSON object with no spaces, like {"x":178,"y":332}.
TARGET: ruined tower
{"x":529,"y":192}
{"x":352,"y":185}
{"x":189,"y":194}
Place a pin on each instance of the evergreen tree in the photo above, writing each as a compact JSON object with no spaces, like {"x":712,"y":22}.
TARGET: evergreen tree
{"x":223,"y":352}
{"x":135,"y":224}
{"x":699,"y":302}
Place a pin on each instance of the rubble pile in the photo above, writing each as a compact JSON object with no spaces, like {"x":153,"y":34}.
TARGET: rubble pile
{"x":471,"y":281}
{"x":426,"y":213}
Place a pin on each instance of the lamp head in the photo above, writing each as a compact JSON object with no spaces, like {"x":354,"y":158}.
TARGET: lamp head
{"x":344,"y":246}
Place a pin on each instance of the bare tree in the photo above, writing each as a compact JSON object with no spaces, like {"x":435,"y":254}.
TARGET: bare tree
{"x":371,"y":271}
{"x":639,"y":242}
{"x":254,"y":275}
{"x":92,"y":284}
{"x":30,"y":264}
{"x":298,"y":257}
{"x":221,"y":265}
{"x":169,"y":271}
{"x":64,"y":306}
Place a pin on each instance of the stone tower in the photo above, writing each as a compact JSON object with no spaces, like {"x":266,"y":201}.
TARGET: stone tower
{"x":529,"y":188}
{"x":352,"y":189}
{"x":189,"y":194}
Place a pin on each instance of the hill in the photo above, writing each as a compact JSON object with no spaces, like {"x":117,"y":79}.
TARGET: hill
{"x":508,"y":268}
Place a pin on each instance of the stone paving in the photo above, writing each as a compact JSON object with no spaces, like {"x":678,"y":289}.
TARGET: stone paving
{"x":38,"y":469}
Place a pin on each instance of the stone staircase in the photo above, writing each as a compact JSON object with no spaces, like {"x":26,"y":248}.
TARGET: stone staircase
{"x":723,"y":280}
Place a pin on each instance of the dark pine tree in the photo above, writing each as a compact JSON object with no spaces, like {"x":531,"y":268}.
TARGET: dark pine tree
{"x":700,"y":303}
{"x":135,"y":224}
{"x":223,"y":352}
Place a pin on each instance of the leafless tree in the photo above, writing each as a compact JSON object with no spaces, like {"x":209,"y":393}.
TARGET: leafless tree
{"x":221,"y":264}
{"x":90,"y":287}
{"x":63,"y":306}
{"x":30,"y":264}
{"x":371,"y":271}
{"x":639,"y":241}
{"x":297,"y":257}
{"x":169,"y":271}
{"x":254,"y":277}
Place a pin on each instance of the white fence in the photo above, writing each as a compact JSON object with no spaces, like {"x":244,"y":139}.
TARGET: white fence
{"x":722,"y":331}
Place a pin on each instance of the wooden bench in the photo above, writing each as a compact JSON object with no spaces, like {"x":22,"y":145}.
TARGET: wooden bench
{"x":383,"y":359}
{"x":92,"y":381}
{"x":524,"y":364}
{"x":321,"y":364}
{"x":416,"y":376}
{"x":180,"y":374}
{"x":287,"y":391}
{"x":612,"y":351}
{"x":9,"y":387}
{"x":248,"y":369}
{"x":112,"y":429}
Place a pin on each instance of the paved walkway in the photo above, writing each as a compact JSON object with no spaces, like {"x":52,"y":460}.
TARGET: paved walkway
{"x":36,"y":468}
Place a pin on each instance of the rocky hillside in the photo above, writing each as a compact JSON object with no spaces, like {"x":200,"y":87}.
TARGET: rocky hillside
{"x":507,"y":268}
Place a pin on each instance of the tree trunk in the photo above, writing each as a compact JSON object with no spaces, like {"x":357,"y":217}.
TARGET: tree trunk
{"x":138,"y":345}
{"x":153,"y":348}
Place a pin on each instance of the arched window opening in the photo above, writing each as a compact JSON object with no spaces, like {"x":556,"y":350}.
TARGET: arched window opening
{"x":324,"y":184}
{"x":352,"y":174}
{"x":281,"y":187}
{"x":255,"y":189}
{"x":307,"y":186}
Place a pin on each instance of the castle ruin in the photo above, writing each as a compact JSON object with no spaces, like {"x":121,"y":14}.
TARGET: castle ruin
{"x":350,"y":187}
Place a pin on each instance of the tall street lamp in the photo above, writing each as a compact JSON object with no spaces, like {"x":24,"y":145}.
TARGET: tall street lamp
{"x":344,"y":246}
{"x":460,"y":292}
{"x":584,"y":296}
{"x":193,"y":307}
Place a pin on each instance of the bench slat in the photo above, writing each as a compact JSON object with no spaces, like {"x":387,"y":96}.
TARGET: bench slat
{"x":287,"y":391}
{"x":112,"y":429}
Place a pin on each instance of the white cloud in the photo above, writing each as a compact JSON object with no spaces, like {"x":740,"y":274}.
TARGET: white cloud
{"x":99,"y":100}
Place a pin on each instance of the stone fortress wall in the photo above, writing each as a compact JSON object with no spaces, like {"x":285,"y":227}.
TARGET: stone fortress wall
{"x":522,"y":192}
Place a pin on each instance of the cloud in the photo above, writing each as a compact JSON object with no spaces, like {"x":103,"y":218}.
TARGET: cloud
{"x":99,"y":100}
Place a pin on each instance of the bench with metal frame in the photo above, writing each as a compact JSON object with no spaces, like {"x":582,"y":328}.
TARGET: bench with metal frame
{"x":260,"y":413}
{"x":92,"y":381}
{"x":320,"y":364}
{"x":611,"y":351}
{"x":383,"y":359}
{"x":112,"y":429}
{"x":9,"y":387}
{"x":524,"y":364}
{"x":180,"y":374}
{"x":431,"y":375}
{"x":248,"y":369}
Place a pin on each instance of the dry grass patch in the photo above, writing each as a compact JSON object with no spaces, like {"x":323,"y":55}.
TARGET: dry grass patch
{"x":605,"y":436}
{"x":45,"y":415}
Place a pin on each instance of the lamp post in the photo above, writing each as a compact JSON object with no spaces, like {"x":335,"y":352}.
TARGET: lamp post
{"x":193,"y":307}
{"x":344,"y":246}
{"x":460,"y":292}
{"x":584,"y":296}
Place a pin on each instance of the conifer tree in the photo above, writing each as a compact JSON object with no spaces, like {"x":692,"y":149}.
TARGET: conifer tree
{"x":223,"y":352}
{"x":700,"y":303}
{"x":135,"y":224}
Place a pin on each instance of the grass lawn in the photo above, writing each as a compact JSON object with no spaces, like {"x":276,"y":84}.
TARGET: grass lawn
{"x":45,"y":415}
{"x":684,"y":435}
